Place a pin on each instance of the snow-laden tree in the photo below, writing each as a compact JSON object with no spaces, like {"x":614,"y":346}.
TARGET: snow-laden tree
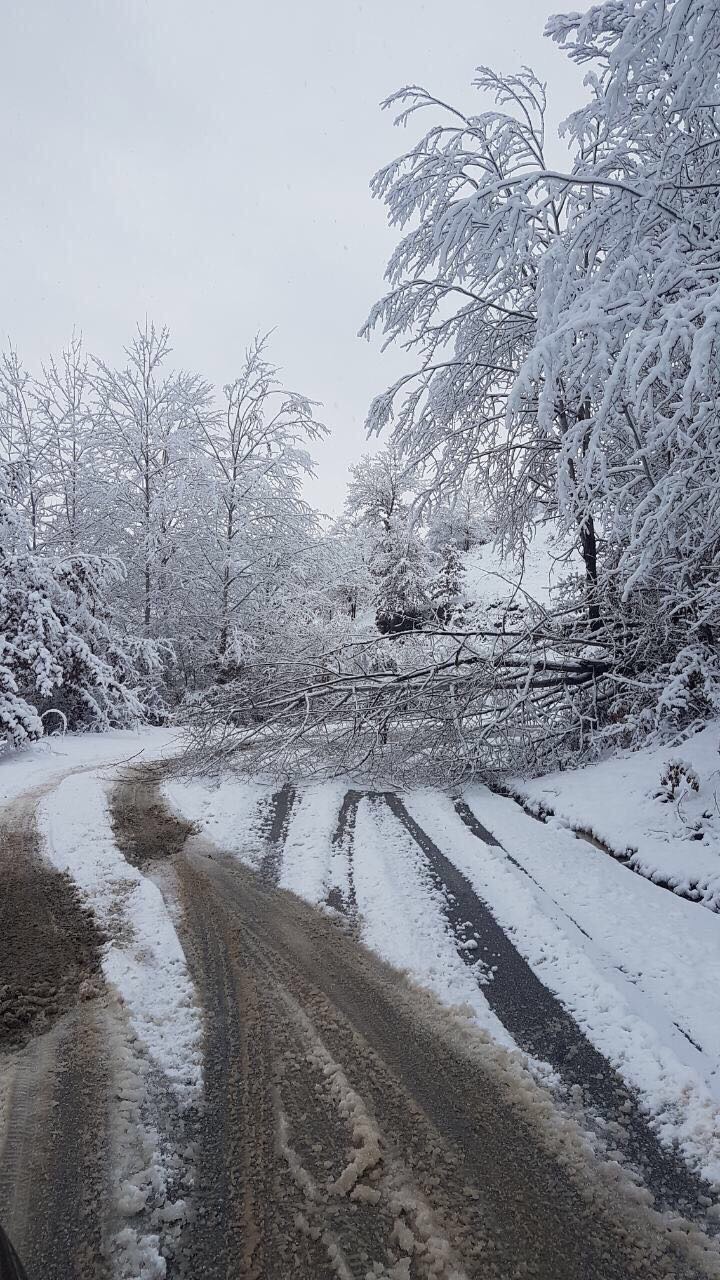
{"x":380,"y":490}
{"x":259,"y":527}
{"x":459,"y":520}
{"x":403,"y":569}
{"x":446,"y":587}
{"x":59,"y":649}
{"x":380,"y":501}
{"x":562,"y":324}
{"x":149,"y":421}
{"x":565,"y":322}
{"x":631,"y":327}
{"x":23,"y":444}
{"x":76,"y":514}
{"x":345,"y":559}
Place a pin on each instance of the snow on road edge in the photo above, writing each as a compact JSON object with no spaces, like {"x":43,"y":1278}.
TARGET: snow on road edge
{"x":161,"y":1051}
{"x":675,"y":841}
{"x":143,"y":959}
{"x":310,"y":866}
{"x":227,"y":812}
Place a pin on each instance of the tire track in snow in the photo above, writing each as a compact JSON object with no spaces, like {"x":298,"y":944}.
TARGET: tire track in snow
{"x":473,"y":824}
{"x":343,"y":842}
{"x":277,"y":821}
{"x":543,"y":1028}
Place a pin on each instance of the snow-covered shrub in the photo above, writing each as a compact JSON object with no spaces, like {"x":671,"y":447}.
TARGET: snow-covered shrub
{"x":674,"y":774}
{"x":59,"y":648}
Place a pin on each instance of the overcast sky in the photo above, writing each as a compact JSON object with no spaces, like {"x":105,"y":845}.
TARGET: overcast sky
{"x":207,"y":164}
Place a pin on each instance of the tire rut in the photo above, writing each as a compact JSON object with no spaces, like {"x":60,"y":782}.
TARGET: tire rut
{"x":542,"y":1027}
{"x":277,"y":821}
{"x":52,"y":1182}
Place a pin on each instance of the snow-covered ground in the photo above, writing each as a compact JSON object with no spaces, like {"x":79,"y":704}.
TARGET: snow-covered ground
{"x":491,"y":579}
{"x":674,"y":840}
{"x":46,"y":761}
{"x":637,"y":966}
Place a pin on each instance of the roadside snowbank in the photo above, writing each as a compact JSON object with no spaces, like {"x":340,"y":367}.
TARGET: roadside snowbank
{"x":143,"y":959}
{"x":675,"y":842}
{"x":157,"y":1031}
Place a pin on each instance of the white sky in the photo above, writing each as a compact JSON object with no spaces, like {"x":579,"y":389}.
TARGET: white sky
{"x":206,"y":162}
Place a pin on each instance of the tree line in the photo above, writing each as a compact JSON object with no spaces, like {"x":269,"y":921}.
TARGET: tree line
{"x":147,"y":523}
{"x":562,"y":328}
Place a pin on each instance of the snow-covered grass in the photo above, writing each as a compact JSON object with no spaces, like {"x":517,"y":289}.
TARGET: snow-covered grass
{"x":674,"y":841}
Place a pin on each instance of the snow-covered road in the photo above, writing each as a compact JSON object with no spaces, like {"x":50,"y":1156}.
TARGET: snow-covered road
{"x":635,"y":967}
{"x":261,"y":1094}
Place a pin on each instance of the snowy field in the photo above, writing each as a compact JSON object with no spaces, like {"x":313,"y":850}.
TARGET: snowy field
{"x":491,"y":578}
